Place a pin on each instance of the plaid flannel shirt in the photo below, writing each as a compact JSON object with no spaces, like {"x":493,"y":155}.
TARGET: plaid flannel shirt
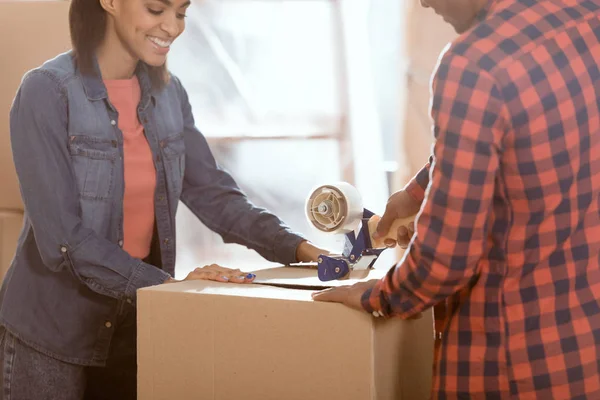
{"x":508,"y":236}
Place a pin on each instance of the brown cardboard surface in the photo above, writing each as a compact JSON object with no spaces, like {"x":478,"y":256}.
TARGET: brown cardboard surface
{"x":208,"y":340}
{"x":34,"y":31}
{"x":10,"y":228}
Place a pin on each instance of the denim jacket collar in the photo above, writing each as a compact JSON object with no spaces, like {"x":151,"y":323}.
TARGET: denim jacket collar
{"x":96,"y":90}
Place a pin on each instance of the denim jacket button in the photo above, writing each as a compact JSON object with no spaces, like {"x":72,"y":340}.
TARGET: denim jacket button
{"x":63,"y":249}
{"x":108,"y":324}
{"x":120,"y":243}
{"x":113,"y":122}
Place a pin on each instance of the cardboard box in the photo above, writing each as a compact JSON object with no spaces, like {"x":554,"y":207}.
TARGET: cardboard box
{"x":208,"y":340}
{"x":33,"y":32}
{"x":10,"y":228}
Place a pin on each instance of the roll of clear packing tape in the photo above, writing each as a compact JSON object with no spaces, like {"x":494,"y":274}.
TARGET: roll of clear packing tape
{"x":335,"y":208}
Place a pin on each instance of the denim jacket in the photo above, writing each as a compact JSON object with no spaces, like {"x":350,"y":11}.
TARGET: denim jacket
{"x":70,"y":277}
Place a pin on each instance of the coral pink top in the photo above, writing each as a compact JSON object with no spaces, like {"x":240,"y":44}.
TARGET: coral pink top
{"x":140,"y":173}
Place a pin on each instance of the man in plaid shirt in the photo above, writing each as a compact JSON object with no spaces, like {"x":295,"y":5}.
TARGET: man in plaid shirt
{"x":508,"y":236}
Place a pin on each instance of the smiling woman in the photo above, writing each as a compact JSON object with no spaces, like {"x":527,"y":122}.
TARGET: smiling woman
{"x":105,"y":147}
{"x":144,"y":30}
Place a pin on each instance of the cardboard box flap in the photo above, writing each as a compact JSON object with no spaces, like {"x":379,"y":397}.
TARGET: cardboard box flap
{"x":307,"y":278}
{"x":235,"y":290}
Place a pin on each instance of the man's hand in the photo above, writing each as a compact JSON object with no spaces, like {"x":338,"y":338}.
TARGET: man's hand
{"x":308,"y":252}
{"x":350,"y":296}
{"x":347,"y":295}
{"x":217,"y":273}
{"x":400,"y":205}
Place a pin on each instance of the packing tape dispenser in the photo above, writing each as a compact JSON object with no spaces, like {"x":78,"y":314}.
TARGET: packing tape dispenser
{"x":338,"y":209}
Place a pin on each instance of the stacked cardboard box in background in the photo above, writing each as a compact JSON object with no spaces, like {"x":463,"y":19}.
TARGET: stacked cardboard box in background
{"x":10,"y":228}
{"x":33,"y":32}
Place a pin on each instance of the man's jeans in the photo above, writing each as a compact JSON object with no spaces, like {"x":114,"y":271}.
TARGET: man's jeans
{"x":27,"y":374}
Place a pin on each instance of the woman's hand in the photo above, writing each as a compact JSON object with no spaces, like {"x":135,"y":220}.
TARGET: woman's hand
{"x":308,"y":252}
{"x":217,"y":273}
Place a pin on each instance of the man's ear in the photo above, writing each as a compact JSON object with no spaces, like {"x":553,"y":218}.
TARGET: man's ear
{"x":110,"y":6}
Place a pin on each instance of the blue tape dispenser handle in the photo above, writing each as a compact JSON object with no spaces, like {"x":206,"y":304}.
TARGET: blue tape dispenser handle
{"x":330,"y":269}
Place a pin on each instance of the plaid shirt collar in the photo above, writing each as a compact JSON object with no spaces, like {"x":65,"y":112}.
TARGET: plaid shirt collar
{"x":488,"y":8}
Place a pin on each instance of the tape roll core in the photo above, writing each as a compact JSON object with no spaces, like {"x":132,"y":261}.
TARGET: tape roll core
{"x":335,"y":208}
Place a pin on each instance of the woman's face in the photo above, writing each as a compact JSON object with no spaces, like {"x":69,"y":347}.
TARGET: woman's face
{"x":147,"y":28}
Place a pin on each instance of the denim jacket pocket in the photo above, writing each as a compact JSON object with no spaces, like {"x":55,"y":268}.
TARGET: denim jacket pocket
{"x":94,"y":162}
{"x":173,"y":148}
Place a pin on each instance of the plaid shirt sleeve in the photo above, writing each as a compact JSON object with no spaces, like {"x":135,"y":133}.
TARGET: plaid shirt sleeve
{"x":469,"y":121}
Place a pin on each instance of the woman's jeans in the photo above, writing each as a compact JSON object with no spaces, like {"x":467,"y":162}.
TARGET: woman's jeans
{"x":27,"y":374}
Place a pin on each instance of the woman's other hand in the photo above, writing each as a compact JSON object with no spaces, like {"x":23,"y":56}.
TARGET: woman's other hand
{"x":217,"y":273}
